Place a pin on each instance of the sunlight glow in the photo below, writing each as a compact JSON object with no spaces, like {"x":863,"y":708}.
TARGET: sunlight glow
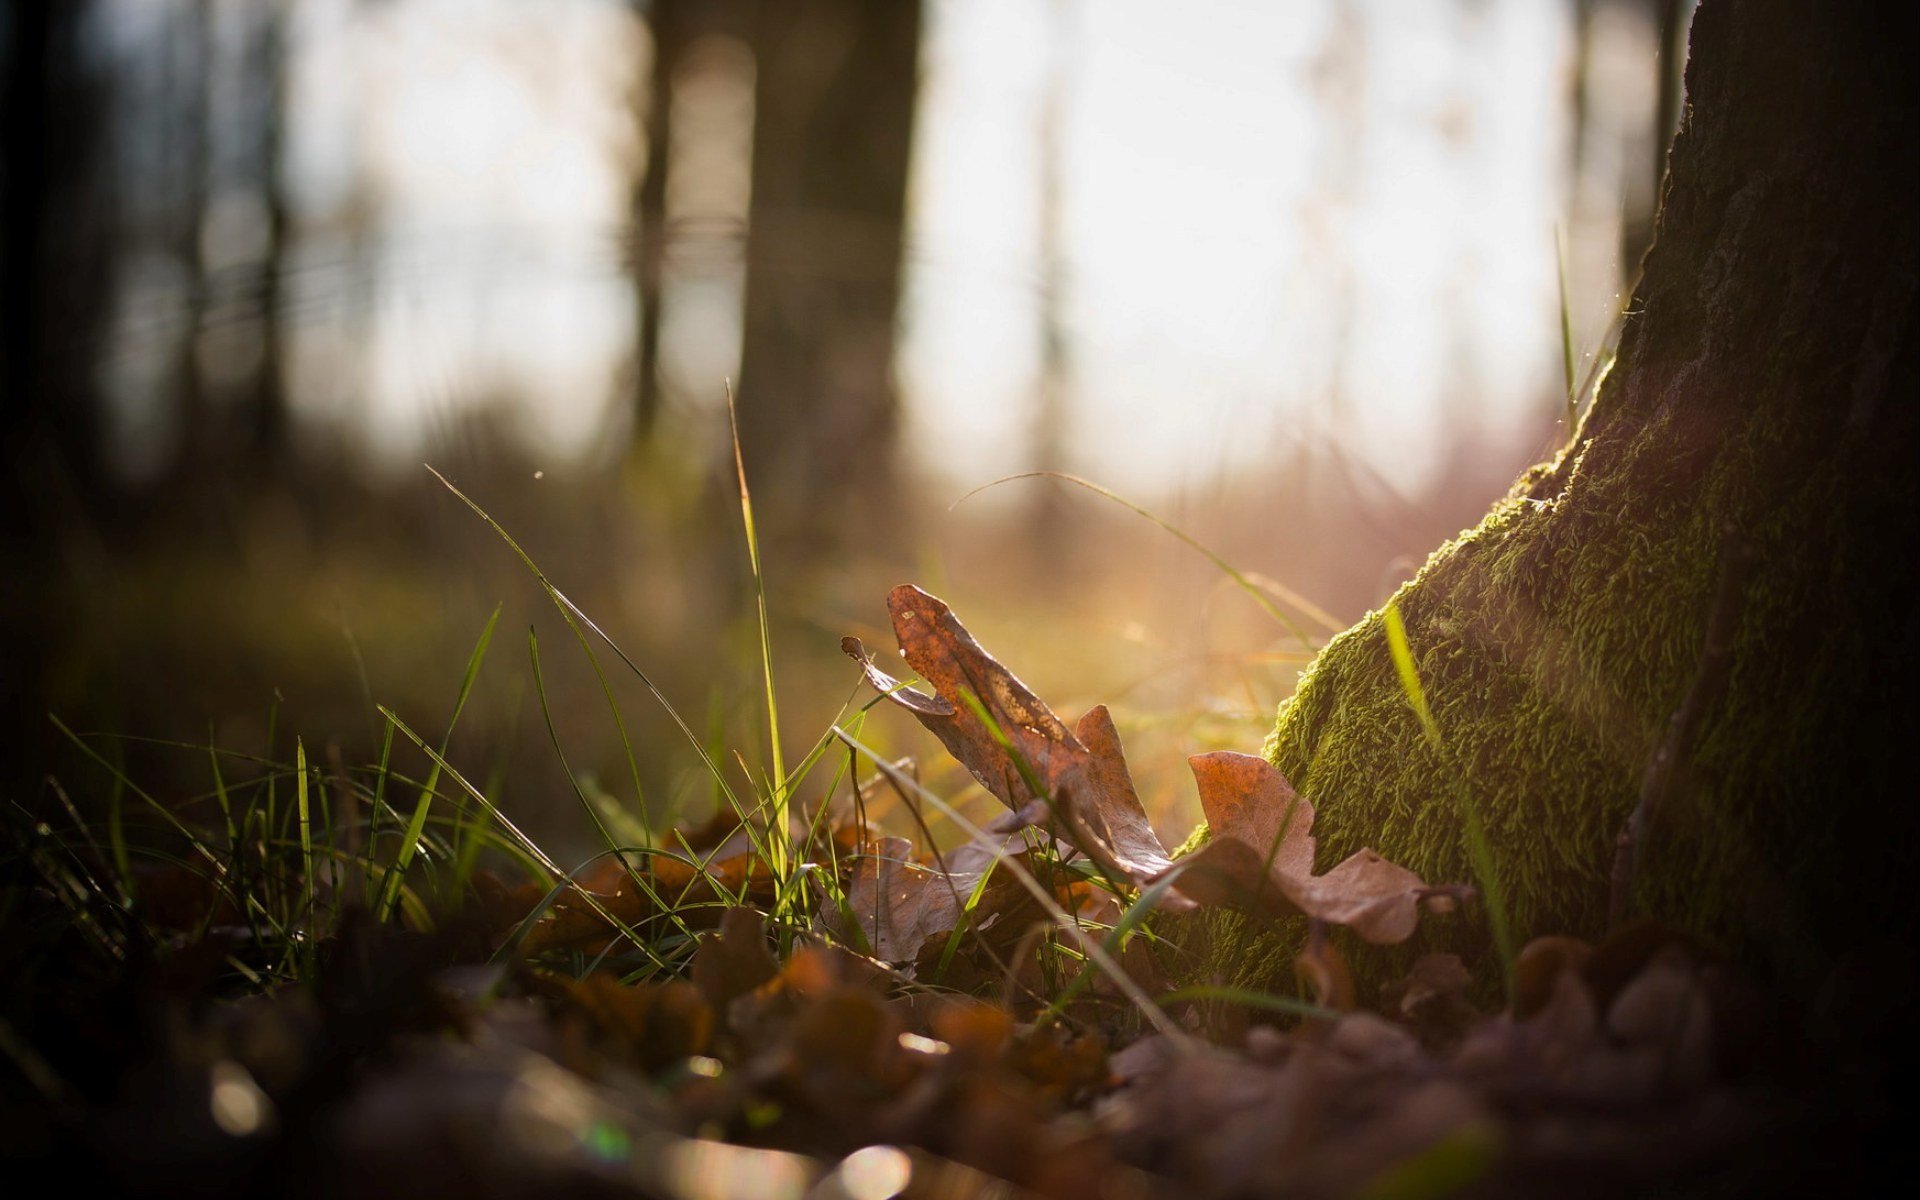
{"x":1332,"y":219}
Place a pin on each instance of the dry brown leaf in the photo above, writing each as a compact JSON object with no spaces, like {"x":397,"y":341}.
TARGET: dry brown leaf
{"x":1082,"y":772}
{"x":655,"y":1024}
{"x":1261,"y":856}
{"x":895,"y":903}
{"x":692,"y":889}
{"x":900,"y":904}
{"x":1105,"y":817}
{"x":1324,"y":970}
{"x":1538,"y":967}
{"x":1432,"y":999}
{"x":734,"y":961}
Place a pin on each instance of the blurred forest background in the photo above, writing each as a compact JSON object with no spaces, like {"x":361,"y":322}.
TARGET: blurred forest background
{"x":1288,"y":275}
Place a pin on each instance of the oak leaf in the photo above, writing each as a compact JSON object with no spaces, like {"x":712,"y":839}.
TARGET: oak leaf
{"x":899,"y":905}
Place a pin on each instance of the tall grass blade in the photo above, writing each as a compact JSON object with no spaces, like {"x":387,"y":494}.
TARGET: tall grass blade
{"x":638,"y":877}
{"x":117,"y":834}
{"x":1479,"y":849}
{"x":572,"y":612}
{"x":1409,"y":674}
{"x":306,"y":822}
{"x":777,"y":842}
{"x":1568,"y":357}
{"x":378,"y":807}
{"x":416,"y":825}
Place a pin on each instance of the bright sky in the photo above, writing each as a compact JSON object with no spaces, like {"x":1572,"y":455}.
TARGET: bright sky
{"x":1264,"y":204}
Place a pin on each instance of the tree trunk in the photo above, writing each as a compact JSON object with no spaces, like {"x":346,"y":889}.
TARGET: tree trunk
{"x":55,"y":280}
{"x":1748,"y":465}
{"x":833,"y":122}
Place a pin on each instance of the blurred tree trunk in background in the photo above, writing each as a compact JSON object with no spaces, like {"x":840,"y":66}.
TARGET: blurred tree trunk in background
{"x":267,"y":432}
{"x":189,"y":128}
{"x":55,"y":280}
{"x":669,"y":23}
{"x":835,"y":89}
{"x":1747,"y":468}
{"x":55,"y":252}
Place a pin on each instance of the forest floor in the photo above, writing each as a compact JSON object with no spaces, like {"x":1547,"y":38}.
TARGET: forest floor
{"x":324,"y":979}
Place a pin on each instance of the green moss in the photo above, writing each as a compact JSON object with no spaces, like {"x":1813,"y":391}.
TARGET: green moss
{"x":1555,"y":640}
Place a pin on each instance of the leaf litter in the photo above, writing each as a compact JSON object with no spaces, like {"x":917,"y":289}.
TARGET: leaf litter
{"x":927,"y":1033}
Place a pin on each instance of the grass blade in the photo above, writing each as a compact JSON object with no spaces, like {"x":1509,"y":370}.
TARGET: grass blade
{"x":573,"y":612}
{"x":306,"y":819}
{"x":1567,"y":355}
{"x":1479,"y":849}
{"x":777,"y":841}
{"x":403,"y":857}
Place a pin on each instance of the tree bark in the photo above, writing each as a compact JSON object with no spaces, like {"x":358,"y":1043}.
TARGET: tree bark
{"x":1761,"y":408}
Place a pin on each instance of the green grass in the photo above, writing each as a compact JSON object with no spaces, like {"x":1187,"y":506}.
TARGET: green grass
{"x":288,"y":863}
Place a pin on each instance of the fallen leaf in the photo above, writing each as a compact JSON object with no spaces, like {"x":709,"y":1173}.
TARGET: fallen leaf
{"x":1059,"y":1063}
{"x":693,"y":890}
{"x":1261,"y":856}
{"x":994,"y":725}
{"x":895,"y":904}
{"x":1538,"y":967}
{"x":655,"y":1024}
{"x":899,"y":905}
{"x":1432,"y":999}
{"x":1104,"y":816}
{"x":734,"y":961}
{"x":1324,"y":970}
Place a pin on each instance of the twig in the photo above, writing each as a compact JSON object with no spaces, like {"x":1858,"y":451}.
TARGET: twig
{"x":1709,"y":682}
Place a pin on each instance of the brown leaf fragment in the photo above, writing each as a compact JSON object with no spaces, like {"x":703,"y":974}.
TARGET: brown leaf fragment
{"x":1261,"y":856}
{"x":901,"y":906}
{"x":1667,"y":1009}
{"x":734,"y":961}
{"x":1432,"y":999}
{"x":1538,"y":967}
{"x":891,"y":688}
{"x":1060,"y":1063}
{"x":896,"y":904}
{"x":654,"y":1024}
{"x":692,"y":889}
{"x":709,"y":834}
{"x":974,"y":1032}
{"x":1103,"y":813}
{"x":1323,"y":969}
{"x":844,"y":1054}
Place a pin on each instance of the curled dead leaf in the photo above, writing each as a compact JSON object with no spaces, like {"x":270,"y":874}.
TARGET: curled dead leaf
{"x":1261,"y":856}
{"x":1010,"y":741}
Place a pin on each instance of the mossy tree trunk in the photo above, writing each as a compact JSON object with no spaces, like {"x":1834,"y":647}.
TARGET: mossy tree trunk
{"x":1754,"y":441}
